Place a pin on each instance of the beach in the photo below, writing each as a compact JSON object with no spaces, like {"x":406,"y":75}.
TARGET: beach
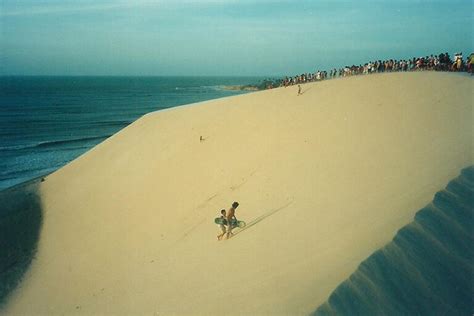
{"x":66,"y":116}
{"x":324,"y":179}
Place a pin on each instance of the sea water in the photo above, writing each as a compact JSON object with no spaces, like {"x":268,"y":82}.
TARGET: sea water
{"x":45,"y":122}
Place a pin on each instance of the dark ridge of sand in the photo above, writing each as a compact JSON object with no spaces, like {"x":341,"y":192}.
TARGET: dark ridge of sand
{"x":427,"y":269}
{"x":20,"y":224}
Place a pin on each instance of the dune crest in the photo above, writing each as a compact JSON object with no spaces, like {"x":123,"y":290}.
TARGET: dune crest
{"x":324,"y":179}
{"x":424,"y":269}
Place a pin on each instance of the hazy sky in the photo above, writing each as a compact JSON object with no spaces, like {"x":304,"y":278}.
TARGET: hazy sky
{"x":135,"y":37}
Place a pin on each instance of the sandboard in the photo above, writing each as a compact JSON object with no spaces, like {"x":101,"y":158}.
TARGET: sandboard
{"x":235,"y":223}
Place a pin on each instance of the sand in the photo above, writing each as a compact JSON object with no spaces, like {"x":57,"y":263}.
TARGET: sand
{"x":425,"y":269}
{"x":323,"y":180}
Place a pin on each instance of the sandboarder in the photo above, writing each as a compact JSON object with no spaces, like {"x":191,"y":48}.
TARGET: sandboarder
{"x":222,"y":226}
{"x":230,"y":218}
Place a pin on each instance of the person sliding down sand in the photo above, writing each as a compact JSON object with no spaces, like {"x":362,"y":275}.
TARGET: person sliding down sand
{"x":230,"y":218}
{"x":222,"y":226}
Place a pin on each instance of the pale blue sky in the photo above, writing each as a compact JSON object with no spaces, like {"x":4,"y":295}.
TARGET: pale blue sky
{"x":99,"y":37}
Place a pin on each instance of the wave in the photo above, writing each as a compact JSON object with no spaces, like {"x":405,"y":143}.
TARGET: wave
{"x":54,"y":143}
{"x":106,"y":123}
{"x":211,"y":88}
{"x":426,"y":270}
{"x":239,"y":88}
{"x":12,"y":175}
{"x":13,"y":129}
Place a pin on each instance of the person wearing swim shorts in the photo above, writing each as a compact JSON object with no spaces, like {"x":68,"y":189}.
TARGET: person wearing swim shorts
{"x":223,"y":225}
{"x":231,"y":218}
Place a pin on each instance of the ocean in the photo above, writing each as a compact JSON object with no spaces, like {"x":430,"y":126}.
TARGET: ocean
{"x":45,"y":122}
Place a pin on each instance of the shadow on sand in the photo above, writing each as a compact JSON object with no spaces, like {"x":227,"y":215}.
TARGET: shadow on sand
{"x":20,"y":225}
{"x":303,"y":91}
{"x":262,"y":217}
{"x":426,"y":270}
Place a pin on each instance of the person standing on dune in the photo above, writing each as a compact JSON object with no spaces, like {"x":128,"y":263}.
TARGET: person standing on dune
{"x":223,"y":225}
{"x":231,"y":219}
{"x":470,"y":62}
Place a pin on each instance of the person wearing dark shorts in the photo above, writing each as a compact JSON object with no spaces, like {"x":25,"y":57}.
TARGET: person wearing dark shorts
{"x":230,"y":218}
{"x":223,"y":225}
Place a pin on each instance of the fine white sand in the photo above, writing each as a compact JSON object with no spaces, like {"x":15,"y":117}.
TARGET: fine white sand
{"x":323,"y":180}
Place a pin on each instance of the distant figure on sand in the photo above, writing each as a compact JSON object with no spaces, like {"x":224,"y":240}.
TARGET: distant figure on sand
{"x":470,"y":62}
{"x":231,"y":217}
{"x":299,"y":90}
{"x":222,"y":226}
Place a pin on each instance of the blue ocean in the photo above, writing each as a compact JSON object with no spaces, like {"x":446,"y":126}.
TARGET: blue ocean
{"x":45,"y":122}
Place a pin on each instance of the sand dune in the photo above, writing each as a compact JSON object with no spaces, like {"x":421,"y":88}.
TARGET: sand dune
{"x":323,"y":179}
{"x":424,"y":269}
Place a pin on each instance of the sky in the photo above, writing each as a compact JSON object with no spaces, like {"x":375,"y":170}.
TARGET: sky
{"x":216,"y":38}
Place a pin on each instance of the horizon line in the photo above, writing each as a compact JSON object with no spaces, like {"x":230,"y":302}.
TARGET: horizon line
{"x":134,"y":75}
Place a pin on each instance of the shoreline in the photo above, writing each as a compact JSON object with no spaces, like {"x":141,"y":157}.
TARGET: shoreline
{"x":249,"y":89}
{"x":28,"y":183}
{"x":239,"y":88}
{"x":97,"y":114}
{"x":322,"y":178}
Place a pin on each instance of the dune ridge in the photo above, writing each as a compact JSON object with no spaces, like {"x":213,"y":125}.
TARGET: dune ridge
{"x":332,"y":175}
{"x":425,"y":269}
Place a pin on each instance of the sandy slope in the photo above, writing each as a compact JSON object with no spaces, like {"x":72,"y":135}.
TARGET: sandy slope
{"x":323,"y":179}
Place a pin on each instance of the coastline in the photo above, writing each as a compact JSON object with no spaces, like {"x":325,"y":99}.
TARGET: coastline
{"x":88,"y":110}
{"x":239,"y":88}
{"x":27,"y":183}
{"x":328,"y":169}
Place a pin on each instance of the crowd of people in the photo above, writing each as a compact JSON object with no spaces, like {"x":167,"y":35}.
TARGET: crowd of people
{"x":441,"y":62}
